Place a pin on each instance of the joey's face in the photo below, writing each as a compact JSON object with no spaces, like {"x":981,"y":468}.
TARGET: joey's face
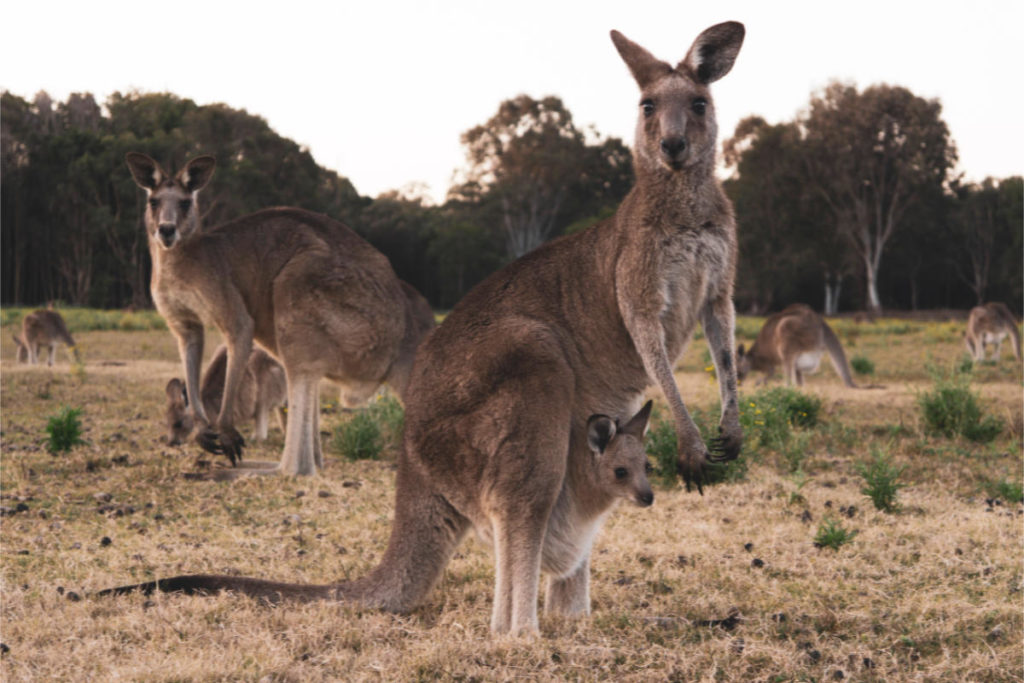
{"x":676,"y":126}
{"x":177,"y":417}
{"x":624,"y":468}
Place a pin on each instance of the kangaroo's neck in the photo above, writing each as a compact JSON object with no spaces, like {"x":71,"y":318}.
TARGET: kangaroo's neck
{"x":670,"y":200}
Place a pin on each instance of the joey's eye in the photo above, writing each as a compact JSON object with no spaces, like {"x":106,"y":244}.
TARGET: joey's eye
{"x":699,"y":106}
{"x":648,"y":107}
{"x":185,"y":205}
{"x":621,"y":473}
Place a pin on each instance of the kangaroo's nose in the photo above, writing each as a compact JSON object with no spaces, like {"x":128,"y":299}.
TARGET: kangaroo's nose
{"x":673,"y":146}
{"x":645,"y":498}
{"x":167,"y":232}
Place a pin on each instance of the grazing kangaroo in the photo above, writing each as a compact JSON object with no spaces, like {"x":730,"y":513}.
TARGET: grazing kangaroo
{"x":307,"y":289}
{"x":501,"y":392}
{"x":617,"y":470}
{"x":263,"y":388}
{"x":991,"y":324}
{"x":794,"y":338}
{"x":43,"y":328}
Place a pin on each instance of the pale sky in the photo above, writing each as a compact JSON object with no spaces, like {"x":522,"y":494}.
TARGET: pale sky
{"x":381,"y":91}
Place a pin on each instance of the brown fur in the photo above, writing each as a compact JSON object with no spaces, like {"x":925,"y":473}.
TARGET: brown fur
{"x":43,"y":328}
{"x":307,"y":289}
{"x":795,"y":338}
{"x":990,"y":324}
{"x":262,"y":390}
{"x":498,"y":403}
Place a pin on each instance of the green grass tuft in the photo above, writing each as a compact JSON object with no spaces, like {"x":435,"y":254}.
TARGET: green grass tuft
{"x":862,"y":365}
{"x":951,"y":409}
{"x":64,"y":430}
{"x":880,"y":483}
{"x":371,"y":430}
{"x":831,"y":534}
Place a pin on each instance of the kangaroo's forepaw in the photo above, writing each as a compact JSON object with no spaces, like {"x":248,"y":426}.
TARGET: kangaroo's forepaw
{"x":726,"y":446}
{"x":231,"y":443}
{"x":692,"y":467}
{"x":208,"y":441}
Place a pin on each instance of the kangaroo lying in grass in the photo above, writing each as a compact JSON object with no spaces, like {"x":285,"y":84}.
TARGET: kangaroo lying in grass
{"x":263,"y":389}
{"x":991,"y":324}
{"x":616,"y":470}
{"x":500,"y":396}
{"x":39,"y":329}
{"x":794,"y":338}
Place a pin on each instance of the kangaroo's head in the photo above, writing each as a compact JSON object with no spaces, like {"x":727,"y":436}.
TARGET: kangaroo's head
{"x":676,"y":128}
{"x":178,"y":419}
{"x":171,"y":213}
{"x":620,"y":456}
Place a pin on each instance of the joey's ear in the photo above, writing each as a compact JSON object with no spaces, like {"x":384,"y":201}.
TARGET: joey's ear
{"x":197,"y":173}
{"x":713,"y":52}
{"x":147,"y":173}
{"x":176,"y":390}
{"x":645,"y":67}
{"x":637,"y":425}
{"x":600,"y":432}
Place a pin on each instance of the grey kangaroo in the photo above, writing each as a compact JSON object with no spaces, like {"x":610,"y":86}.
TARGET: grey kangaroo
{"x":498,"y":405}
{"x":263,"y":389}
{"x":991,"y":324}
{"x":307,"y":289}
{"x":41,"y":329}
{"x":794,"y":338}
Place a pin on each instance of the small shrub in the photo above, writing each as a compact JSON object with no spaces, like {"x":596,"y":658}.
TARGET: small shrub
{"x":64,"y":430}
{"x":831,"y":534}
{"x":880,"y":483}
{"x":966,"y":365}
{"x":359,"y":438}
{"x":862,"y":365}
{"x":769,"y":415}
{"x":661,"y":446}
{"x":1010,"y":491}
{"x":951,"y":409}
{"x":371,"y":431}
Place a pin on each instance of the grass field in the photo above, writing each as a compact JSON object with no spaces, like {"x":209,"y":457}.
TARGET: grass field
{"x":725,"y":587}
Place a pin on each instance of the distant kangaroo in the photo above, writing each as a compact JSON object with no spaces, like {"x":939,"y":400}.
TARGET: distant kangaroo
{"x":794,"y":338}
{"x":616,"y":470}
{"x":43,"y":328}
{"x":497,"y":409}
{"x":263,"y":389}
{"x":306,"y":288}
{"x":991,"y":324}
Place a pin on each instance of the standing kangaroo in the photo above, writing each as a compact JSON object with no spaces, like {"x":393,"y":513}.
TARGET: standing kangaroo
{"x":306,"y":288}
{"x":794,"y":338}
{"x":617,"y":470}
{"x":262,"y":389}
{"x":991,"y":324}
{"x":501,"y":392}
{"x":39,"y":329}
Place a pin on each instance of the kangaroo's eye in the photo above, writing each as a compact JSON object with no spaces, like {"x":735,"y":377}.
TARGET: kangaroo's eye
{"x":621,"y":473}
{"x":648,"y":107}
{"x":185,"y":205}
{"x":699,"y":106}
{"x":154,"y":203}
{"x":177,"y":424}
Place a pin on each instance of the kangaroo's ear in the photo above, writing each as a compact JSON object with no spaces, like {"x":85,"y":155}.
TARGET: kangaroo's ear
{"x":197,"y":173}
{"x":740,"y":351}
{"x":600,"y":432}
{"x":713,"y":52}
{"x":637,"y":425}
{"x":147,"y":173}
{"x":645,"y":67}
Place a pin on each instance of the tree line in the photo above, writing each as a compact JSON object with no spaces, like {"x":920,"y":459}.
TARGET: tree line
{"x":853,"y":205}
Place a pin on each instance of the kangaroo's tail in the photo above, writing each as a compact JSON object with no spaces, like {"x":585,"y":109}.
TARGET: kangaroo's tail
{"x":201,"y":584}
{"x":835,"y":352}
{"x":424,"y":535}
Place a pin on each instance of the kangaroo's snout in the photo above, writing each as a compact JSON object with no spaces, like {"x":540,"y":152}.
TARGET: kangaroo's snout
{"x":674,"y":149}
{"x":167,"y":232}
{"x":645,"y":498}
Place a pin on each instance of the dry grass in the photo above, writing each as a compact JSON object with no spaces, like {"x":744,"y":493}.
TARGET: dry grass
{"x":930,"y":593}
